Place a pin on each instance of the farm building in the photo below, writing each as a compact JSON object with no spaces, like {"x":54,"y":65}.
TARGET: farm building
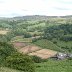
{"x":61,"y":56}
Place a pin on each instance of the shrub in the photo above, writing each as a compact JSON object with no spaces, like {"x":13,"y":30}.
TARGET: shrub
{"x":5,"y":50}
{"x":20,"y":62}
{"x":55,"y":42}
{"x":37,"y":59}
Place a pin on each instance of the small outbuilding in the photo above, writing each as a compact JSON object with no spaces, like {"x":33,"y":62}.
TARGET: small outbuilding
{"x":61,"y":56}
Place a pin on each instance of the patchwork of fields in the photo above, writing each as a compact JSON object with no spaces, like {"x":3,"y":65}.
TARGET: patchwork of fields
{"x":34,"y":50}
{"x":43,"y":38}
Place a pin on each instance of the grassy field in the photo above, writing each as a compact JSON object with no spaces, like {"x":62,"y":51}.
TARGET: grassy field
{"x":64,"y":44}
{"x":47,"y":44}
{"x":54,"y":66}
{"x":3,"y":32}
{"x":21,"y":39}
{"x":49,"y":66}
{"x":4,"y":69}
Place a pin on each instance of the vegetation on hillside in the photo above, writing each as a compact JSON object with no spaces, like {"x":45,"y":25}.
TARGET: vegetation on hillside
{"x":53,"y":33}
{"x":9,"y":57}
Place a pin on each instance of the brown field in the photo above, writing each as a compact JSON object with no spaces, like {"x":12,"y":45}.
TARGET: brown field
{"x":19,"y":44}
{"x":34,"y":50}
{"x":3,"y":32}
{"x":44,"y":53}
{"x":29,"y":49}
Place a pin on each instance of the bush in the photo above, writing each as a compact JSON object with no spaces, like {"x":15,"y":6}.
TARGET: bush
{"x":20,"y":62}
{"x":37,"y":59}
{"x":5,"y":50}
{"x":55,"y":42}
{"x":27,"y":35}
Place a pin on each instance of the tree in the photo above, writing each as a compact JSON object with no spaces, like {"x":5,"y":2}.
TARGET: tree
{"x":20,"y":62}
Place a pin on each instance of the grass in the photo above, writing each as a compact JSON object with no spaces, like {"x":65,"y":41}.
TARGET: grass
{"x":64,"y":44}
{"x":21,"y":39}
{"x":49,"y":66}
{"x":54,"y":66}
{"x":47,"y":44}
{"x":4,"y":69}
{"x":37,"y":25}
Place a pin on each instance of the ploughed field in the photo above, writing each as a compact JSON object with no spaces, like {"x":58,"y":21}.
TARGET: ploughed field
{"x":34,"y":50}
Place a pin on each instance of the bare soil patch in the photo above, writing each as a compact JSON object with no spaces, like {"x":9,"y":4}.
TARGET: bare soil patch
{"x":19,"y":44}
{"x":34,"y":50}
{"x":29,"y":49}
{"x":3,"y":32}
{"x":44,"y":53}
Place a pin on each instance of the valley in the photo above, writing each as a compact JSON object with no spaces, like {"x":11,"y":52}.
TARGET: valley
{"x":30,"y":43}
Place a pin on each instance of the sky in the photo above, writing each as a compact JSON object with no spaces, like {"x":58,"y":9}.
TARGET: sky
{"x":12,"y":8}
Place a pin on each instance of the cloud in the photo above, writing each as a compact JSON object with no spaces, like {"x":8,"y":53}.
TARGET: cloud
{"x":58,"y":8}
{"x":65,"y":1}
{"x":2,"y":1}
{"x":10,"y":8}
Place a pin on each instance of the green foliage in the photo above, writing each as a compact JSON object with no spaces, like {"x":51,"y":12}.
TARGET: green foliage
{"x":66,"y":46}
{"x":3,"y":38}
{"x":37,"y":59}
{"x":5,"y":50}
{"x":27,"y":35}
{"x":20,"y":62}
{"x":58,"y":31}
{"x":10,"y":58}
{"x":66,"y":38}
{"x":54,"y":66}
{"x":47,"y":44}
{"x":5,"y":69}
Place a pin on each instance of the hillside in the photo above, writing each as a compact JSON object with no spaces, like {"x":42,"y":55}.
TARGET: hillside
{"x":34,"y":17}
{"x":31,"y":44}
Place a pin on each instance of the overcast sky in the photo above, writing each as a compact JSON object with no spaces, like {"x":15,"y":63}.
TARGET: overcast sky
{"x":10,"y":8}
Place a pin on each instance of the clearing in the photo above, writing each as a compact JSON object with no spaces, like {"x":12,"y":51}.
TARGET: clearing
{"x":34,"y":50}
{"x":3,"y":32}
{"x":44,"y":53}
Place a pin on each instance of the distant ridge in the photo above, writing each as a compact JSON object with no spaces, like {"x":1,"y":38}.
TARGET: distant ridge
{"x":34,"y":17}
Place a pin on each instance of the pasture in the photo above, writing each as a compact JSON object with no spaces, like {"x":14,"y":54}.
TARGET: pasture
{"x":46,"y":44}
{"x":54,"y":66}
{"x":4,"y":69}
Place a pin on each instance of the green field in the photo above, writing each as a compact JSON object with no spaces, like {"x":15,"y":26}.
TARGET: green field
{"x":21,"y":39}
{"x":52,"y":33}
{"x":47,"y":44}
{"x":49,"y":66}
{"x":64,"y":44}
{"x":4,"y":69}
{"x":54,"y":66}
